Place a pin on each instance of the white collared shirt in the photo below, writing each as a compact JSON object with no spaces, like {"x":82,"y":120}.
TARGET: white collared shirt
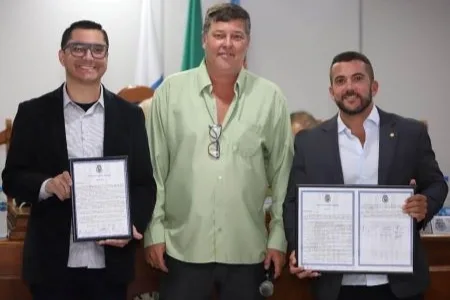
{"x":360,"y":166}
{"x":84,"y":137}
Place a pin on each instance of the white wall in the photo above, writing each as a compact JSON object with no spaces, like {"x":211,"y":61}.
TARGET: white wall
{"x":293,"y":42}
{"x":408,"y":42}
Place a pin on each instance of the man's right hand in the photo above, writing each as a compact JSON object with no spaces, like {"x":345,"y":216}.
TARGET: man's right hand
{"x":60,"y":186}
{"x":298,"y":271}
{"x":154,"y":255}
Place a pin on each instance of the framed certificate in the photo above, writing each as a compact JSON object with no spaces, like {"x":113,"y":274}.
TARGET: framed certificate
{"x":100,"y":198}
{"x":354,"y":229}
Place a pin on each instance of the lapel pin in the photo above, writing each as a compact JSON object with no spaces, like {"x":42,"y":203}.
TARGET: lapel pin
{"x":392,"y":135}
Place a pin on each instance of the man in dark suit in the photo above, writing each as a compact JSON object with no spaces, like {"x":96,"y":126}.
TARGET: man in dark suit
{"x":364,"y":145}
{"x":79,"y":119}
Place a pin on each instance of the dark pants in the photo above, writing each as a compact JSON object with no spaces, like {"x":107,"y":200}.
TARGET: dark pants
{"x":197,"y":281}
{"x":380,"y":292}
{"x":81,"y":284}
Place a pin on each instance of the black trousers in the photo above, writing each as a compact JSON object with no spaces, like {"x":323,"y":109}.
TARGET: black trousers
{"x":189,"y":281}
{"x":380,"y":292}
{"x":80,"y":284}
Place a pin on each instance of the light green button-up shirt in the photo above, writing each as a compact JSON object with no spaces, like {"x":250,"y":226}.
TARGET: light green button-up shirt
{"x":207,"y":209}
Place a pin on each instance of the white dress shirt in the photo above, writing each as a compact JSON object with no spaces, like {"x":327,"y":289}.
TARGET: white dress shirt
{"x":360,"y":166}
{"x":84,"y":137}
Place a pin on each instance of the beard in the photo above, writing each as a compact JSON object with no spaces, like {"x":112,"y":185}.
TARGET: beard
{"x":365,"y":103}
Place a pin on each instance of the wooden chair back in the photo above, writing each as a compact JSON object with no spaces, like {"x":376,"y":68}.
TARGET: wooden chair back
{"x":5,"y":135}
{"x":136,"y":94}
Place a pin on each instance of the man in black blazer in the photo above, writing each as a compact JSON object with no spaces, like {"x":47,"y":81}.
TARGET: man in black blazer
{"x":364,"y":145}
{"x":79,"y":119}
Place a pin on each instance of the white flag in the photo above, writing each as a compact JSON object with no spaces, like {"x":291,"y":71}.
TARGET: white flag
{"x":149,"y":68}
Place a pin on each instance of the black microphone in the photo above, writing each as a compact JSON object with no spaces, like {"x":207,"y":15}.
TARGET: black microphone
{"x":266,"y":287}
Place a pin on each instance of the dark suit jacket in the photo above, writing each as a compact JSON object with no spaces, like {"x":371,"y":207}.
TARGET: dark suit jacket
{"x":405,"y":155}
{"x":38,"y":151}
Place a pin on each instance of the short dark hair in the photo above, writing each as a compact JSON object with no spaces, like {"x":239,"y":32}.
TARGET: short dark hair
{"x":353,"y":55}
{"x":83,"y":24}
{"x":226,"y":12}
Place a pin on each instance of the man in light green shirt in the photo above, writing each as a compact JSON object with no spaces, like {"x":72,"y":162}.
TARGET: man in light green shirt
{"x":219,"y":135}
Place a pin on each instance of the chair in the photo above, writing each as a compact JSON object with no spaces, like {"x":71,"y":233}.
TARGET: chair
{"x":136,"y":94}
{"x":5,"y":138}
{"x":5,"y":135}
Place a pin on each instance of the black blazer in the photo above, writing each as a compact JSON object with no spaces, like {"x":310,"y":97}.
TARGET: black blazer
{"x":38,"y":151}
{"x":405,"y":155}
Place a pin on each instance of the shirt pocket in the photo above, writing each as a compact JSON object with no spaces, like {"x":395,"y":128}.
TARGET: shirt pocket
{"x":249,"y":142}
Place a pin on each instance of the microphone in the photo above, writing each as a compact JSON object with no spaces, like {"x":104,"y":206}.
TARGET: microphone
{"x":266,"y":287}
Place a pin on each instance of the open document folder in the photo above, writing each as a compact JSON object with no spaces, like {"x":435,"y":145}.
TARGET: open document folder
{"x":355,"y":229}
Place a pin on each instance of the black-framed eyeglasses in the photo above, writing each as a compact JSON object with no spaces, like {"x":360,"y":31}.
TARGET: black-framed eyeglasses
{"x":215,"y":131}
{"x":80,"y":49}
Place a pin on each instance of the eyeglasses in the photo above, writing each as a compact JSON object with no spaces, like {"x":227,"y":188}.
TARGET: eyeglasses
{"x":80,"y":49}
{"x":214,"y":147}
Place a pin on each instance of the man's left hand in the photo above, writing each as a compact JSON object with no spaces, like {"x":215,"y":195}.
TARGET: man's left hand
{"x":278,"y":259}
{"x":416,"y":206}
{"x":121,"y":243}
